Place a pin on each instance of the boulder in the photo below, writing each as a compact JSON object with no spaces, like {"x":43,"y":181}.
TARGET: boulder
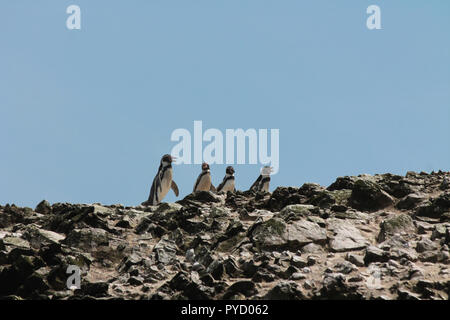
{"x":245,"y":287}
{"x":39,"y":237}
{"x":277,"y":234}
{"x":87,"y":238}
{"x":411,"y":201}
{"x":43,"y":207}
{"x":368,"y":195}
{"x":285,"y":291}
{"x":397,"y":223}
{"x":345,"y":236}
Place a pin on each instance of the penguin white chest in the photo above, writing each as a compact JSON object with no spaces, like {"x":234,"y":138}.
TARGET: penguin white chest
{"x":228,"y":186}
{"x":166,"y":182}
{"x":265,"y":186}
{"x":205,"y":183}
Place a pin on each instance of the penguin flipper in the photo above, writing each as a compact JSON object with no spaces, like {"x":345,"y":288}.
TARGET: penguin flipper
{"x":255,"y":184}
{"x":211,"y":188}
{"x":153,"y":197}
{"x":197,"y":182}
{"x":175,"y":188}
{"x":221,"y":185}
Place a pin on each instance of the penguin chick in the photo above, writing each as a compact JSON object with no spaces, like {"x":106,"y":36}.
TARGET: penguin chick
{"x":228,"y":181}
{"x":262,"y":183}
{"x":203,"y":182}
{"x":162,"y":182}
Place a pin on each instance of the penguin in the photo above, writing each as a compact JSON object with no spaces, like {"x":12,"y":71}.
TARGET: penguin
{"x":262,"y":183}
{"x":203,"y":182}
{"x":162,"y":182}
{"x":228,"y":181}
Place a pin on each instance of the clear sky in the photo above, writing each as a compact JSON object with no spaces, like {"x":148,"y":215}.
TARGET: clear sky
{"x":87,"y":114}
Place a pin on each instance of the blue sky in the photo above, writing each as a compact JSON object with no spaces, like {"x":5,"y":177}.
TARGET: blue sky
{"x":87,"y":114}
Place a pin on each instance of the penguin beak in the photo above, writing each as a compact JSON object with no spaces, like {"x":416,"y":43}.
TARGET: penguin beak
{"x":174,"y":159}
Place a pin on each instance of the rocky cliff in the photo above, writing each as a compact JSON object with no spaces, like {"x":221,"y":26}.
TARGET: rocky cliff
{"x":365,"y":237}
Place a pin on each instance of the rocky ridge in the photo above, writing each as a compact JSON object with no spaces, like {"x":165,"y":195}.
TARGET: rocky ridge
{"x":364,"y":237}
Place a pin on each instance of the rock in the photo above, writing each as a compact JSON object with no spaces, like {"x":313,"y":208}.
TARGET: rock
{"x":216,"y":269}
{"x":374,"y":254}
{"x":16,"y":242}
{"x":411,"y":200}
{"x":195,"y":291}
{"x":231,"y":267}
{"x":342,"y":183}
{"x":125,"y":223}
{"x":166,"y":251}
{"x":247,"y":288}
{"x":234,"y":228}
{"x":129,"y":261}
{"x":311,"y":261}
{"x":299,"y":262}
{"x":294,"y":243}
{"x":295,"y":212}
{"x":396,"y":224}
{"x":439,"y":232}
{"x":297,"y":276}
{"x":435,"y":208}
{"x":445,"y":184}
{"x":303,"y":232}
{"x":284,"y":291}
{"x":426,"y":245}
{"x":270,"y":234}
{"x":94,"y":289}
{"x":264,"y":275}
{"x":11,"y":215}
{"x":404,"y":294}
{"x":190,"y":255}
{"x":32,"y":285}
{"x":336,"y":199}
{"x":345,"y":236}
{"x":11,"y":279}
{"x":43,"y":207}
{"x":276,"y":234}
{"x":312,"y":248}
{"x":51,"y":254}
{"x":310,"y":190}
{"x":355,"y":259}
{"x":334,"y":287}
{"x":367,"y":195}
{"x":136,"y":280}
{"x":344,"y":267}
{"x":218,"y":212}
{"x":38,"y":237}
{"x":283,"y":196}
{"x":423,"y":227}
{"x":200,"y":196}
{"x":87,"y":238}
{"x":165,"y":208}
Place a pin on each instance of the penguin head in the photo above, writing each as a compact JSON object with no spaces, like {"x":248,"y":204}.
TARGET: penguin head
{"x":266,"y":170}
{"x":205,"y":166}
{"x":167,"y":159}
{"x":229,"y":170}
